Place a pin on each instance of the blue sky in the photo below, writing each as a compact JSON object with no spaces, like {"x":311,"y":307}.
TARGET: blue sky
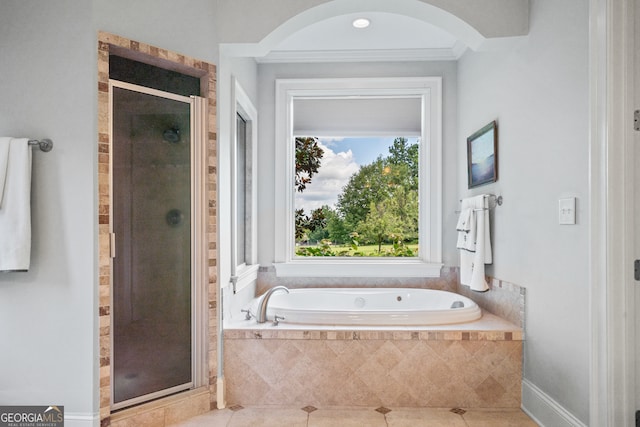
{"x":365,"y":150}
{"x":342,"y":158}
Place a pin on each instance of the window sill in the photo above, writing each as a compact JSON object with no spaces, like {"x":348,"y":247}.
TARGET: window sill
{"x":247,"y":274}
{"x":357,"y":268}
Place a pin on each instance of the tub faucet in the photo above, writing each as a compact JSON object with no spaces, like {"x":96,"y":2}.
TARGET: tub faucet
{"x":262,"y":307}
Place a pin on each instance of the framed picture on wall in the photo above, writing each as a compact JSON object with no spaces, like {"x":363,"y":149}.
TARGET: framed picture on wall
{"x":482,"y":156}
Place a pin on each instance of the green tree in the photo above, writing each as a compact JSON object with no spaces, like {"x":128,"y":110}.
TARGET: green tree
{"x":392,"y":179}
{"x":380,"y":201}
{"x":379,"y":224}
{"x":403,"y":153}
{"x":317,"y":223}
{"x":302,"y":224}
{"x":369,"y":185}
{"x":337,"y":229}
{"x":404,"y":205}
{"x":318,"y":218}
{"x":308,"y":160}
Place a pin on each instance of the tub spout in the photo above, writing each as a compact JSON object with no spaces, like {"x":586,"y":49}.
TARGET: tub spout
{"x":262,"y":307}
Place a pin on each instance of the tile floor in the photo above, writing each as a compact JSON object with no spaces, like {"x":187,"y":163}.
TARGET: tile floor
{"x":263,"y":416}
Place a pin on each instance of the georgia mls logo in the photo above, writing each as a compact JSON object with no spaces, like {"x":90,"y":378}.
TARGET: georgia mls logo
{"x":32,"y":416}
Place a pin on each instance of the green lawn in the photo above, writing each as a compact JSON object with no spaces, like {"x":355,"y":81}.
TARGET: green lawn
{"x":365,"y":250}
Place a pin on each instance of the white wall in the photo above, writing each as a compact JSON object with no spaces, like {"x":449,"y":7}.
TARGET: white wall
{"x":183,"y":26}
{"x":490,"y":18}
{"x":48,"y":316}
{"x":539,"y":95}
{"x":245,"y":70}
{"x":267,"y":75}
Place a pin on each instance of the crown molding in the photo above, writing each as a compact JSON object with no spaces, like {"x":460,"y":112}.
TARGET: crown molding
{"x":364,"y":55}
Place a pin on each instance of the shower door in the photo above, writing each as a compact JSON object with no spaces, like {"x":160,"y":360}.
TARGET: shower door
{"x":153,"y":290}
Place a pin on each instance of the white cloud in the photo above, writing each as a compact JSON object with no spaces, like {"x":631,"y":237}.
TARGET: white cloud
{"x":329,"y":141}
{"x":326,"y":141}
{"x":333,"y":174}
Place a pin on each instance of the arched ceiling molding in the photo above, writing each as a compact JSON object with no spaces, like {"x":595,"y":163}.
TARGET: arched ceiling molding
{"x":503,"y":22}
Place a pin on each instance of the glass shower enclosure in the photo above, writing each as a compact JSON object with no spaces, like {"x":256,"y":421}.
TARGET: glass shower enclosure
{"x":153,"y":291}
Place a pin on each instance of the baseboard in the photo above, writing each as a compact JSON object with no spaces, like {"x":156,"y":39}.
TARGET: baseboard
{"x":79,"y":419}
{"x":544,"y":410}
{"x":220,"y":396}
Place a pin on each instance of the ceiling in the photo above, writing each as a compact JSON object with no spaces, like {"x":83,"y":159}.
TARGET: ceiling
{"x":389,"y":37}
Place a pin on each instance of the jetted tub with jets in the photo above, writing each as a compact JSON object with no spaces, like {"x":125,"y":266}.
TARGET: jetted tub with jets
{"x":369,"y":307}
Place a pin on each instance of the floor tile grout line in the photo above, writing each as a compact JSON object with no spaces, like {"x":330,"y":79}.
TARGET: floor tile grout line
{"x":228,"y":422}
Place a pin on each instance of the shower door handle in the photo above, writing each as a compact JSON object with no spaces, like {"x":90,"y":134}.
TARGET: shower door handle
{"x":112,"y":245}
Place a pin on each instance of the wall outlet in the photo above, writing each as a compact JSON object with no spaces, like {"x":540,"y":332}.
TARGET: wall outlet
{"x":567,"y":211}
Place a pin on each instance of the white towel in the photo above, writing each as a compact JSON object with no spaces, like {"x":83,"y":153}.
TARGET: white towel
{"x":475,"y":251}
{"x":464,"y":220}
{"x":4,"y":161}
{"x":466,"y":230}
{"x":15,"y":211}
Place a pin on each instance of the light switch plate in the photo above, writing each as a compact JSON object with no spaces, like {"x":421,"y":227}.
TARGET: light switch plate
{"x":567,"y":211}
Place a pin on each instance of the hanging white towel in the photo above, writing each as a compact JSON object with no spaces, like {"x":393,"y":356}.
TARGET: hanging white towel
{"x":475,"y":250}
{"x":464,"y":220}
{"x":15,"y":210}
{"x":4,"y":161}
{"x":466,"y":230}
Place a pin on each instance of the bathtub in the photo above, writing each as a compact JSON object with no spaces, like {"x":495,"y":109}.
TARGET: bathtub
{"x":370,"y":307}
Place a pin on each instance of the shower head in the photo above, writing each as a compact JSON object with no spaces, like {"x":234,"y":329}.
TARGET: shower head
{"x":171,"y":135}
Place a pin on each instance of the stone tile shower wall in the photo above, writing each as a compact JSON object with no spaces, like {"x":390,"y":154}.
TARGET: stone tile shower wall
{"x":207,"y":73}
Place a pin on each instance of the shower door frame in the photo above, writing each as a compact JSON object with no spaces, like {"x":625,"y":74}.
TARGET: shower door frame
{"x":199,"y":255}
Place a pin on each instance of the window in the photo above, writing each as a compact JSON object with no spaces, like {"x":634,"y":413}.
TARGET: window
{"x":404,"y":111}
{"x":244,"y":266}
{"x":357,"y":196}
{"x":241,"y":192}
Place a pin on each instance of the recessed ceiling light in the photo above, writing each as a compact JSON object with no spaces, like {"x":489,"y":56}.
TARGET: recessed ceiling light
{"x":361,"y":23}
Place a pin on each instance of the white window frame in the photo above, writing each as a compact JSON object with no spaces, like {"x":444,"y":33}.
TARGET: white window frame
{"x":243,"y":274}
{"x":429,"y":261}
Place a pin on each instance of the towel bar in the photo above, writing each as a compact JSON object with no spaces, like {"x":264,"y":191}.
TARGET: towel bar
{"x":498,"y":199}
{"x":45,"y":145}
{"x":498,"y":202}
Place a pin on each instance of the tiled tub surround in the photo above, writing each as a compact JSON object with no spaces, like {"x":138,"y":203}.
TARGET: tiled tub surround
{"x":503,"y":299}
{"x":469,"y":365}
